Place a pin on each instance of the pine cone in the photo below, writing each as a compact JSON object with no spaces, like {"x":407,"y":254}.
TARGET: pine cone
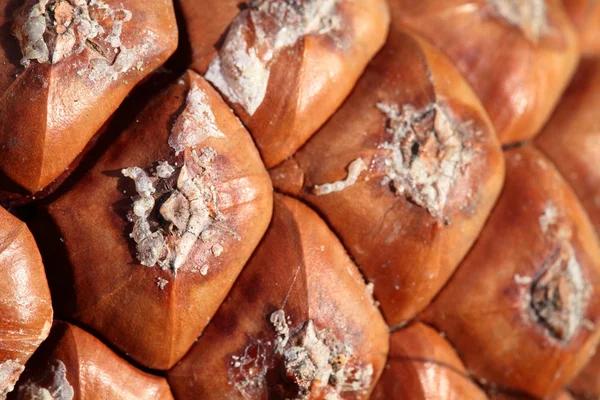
{"x":300,"y":199}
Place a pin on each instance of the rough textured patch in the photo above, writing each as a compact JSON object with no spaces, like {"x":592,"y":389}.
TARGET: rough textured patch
{"x":559,"y":294}
{"x":189,"y":210}
{"x":248,"y":370}
{"x":10,"y":371}
{"x":428,"y":154}
{"x":196,"y":194}
{"x":151,"y":246}
{"x":241,"y":70}
{"x":52,"y":30}
{"x":530,"y":16}
{"x":196,"y":123}
{"x":309,"y":358}
{"x":161,"y":283}
{"x":549,"y":218}
{"x":52,"y":385}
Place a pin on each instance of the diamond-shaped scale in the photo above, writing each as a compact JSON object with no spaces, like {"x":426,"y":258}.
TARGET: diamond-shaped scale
{"x":284,"y":66}
{"x":571,"y":139}
{"x":423,"y":365}
{"x":156,"y":233}
{"x":72,"y":364}
{"x":25,"y":305}
{"x":78,"y":60}
{"x":299,"y":323}
{"x":508,"y":50}
{"x":406,"y":172}
{"x":523,"y":307}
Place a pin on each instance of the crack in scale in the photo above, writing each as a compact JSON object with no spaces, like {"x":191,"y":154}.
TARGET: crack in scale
{"x":559,"y":295}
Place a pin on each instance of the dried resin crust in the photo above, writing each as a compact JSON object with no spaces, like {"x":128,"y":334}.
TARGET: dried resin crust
{"x":180,"y":201}
{"x":285,"y":66}
{"x":406,"y":172}
{"x":73,"y":364}
{"x":422,"y":365}
{"x":299,"y":323}
{"x":25,"y":306}
{"x":68,"y":65}
{"x":518,"y":55}
{"x":571,"y":139}
{"x":532,"y":276}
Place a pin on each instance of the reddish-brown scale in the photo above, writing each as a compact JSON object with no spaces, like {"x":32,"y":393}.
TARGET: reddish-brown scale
{"x":572,"y":137}
{"x":522,"y":310}
{"x":25,"y":305}
{"x":299,"y":322}
{"x":63,"y":85}
{"x":193,"y":225}
{"x":419,"y":170}
{"x":423,"y":366}
{"x":284,"y":66}
{"x":72,"y":364}
{"x":517,"y":55}
{"x":564,"y":395}
{"x":406,"y":172}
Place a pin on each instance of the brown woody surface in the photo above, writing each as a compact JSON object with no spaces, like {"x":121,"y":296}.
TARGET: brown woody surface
{"x":572,"y":137}
{"x":161,"y":323}
{"x":521,"y":310}
{"x":25,"y":305}
{"x":586,"y":17}
{"x":48,"y":112}
{"x":301,"y":268}
{"x":73,"y":364}
{"x":308,"y":80}
{"x":528,"y":320}
{"x":422,"y":365}
{"x":408,"y":250}
{"x":518,"y":70}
